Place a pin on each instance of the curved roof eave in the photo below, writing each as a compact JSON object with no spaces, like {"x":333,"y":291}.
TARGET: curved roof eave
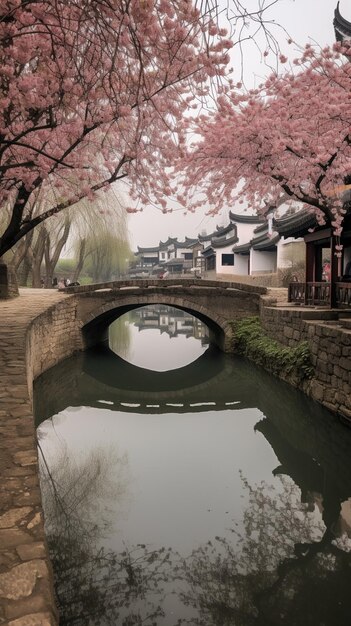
{"x":268,"y":244}
{"x":209,"y":251}
{"x":246,"y":219}
{"x":261,"y":228}
{"x":342,"y":27}
{"x":223,"y":230}
{"x":144,"y":250}
{"x":207,"y":237}
{"x":295,"y":225}
{"x":243,"y":249}
{"x":220,"y":230}
{"x":169,"y":241}
{"x":222,"y":243}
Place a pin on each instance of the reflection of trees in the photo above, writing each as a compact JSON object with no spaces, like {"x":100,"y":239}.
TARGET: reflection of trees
{"x":119,"y":335}
{"x":96,"y":586}
{"x":285,"y":567}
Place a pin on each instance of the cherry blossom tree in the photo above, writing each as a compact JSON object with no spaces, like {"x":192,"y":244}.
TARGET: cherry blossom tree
{"x":90,"y":92}
{"x":291,"y":137}
{"x":95,"y":91}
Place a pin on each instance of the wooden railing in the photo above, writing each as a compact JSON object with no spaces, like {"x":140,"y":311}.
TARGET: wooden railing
{"x":297,"y":293}
{"x":343,"y":295}
{"x":320,"y":294}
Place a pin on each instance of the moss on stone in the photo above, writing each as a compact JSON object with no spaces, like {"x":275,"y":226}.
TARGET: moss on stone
{"x":291,"y":363}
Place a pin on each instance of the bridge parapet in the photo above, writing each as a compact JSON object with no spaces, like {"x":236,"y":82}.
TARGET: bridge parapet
{"x":143,"y":283}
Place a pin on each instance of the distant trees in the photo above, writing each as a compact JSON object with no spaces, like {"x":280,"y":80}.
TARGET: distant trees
{"x":98,"y":243}
{"x":106,"y":256}
{"x":100,"y":239}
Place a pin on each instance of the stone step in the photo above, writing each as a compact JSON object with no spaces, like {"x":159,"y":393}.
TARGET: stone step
{"x":344,"y":314}
{"x":345,"y":322}
{"x":319,"y":314}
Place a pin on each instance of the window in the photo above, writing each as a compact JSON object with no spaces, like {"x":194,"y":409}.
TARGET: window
{"x":163,"y":255}
{"x":227,"y":259}
{"x":188,"y":256}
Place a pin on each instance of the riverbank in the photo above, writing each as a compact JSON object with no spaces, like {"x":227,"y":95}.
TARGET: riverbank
{"x":26,"y":585}
{"x":41,"y":328}
{"x":328,"y":335}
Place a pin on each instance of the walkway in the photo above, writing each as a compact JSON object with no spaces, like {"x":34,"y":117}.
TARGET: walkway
{"x":25,"y":571}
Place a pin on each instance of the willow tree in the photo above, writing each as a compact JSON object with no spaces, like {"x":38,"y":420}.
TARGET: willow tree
{"x":100,"y":238}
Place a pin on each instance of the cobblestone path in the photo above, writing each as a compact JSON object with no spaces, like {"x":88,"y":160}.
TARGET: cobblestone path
{"x":25,"y":575}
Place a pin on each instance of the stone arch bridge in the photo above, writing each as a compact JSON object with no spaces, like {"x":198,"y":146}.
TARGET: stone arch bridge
{"x":216,"y":303}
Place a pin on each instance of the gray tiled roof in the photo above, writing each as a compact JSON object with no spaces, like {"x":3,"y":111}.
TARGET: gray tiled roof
{"x":221,"y":242}
{"x":243,"y":249}
{"x":266,"y":242}
{"x":342,"y":27}
{"x":246,"y":219}
{"x":296,"y":224}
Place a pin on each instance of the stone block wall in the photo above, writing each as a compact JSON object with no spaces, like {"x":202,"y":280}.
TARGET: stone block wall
{"x":36,"y":333}
{"x":51,"y":337}
{"x":283,"y":324}
{"x":26,"y":585}
{"x":330,"y":347}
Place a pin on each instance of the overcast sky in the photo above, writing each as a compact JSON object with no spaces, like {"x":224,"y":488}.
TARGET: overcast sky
{"x":304,"y":20}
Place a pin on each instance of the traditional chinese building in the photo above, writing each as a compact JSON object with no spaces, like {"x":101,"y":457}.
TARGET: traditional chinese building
{"x":331,"y":288}
{"x":171,"y":253}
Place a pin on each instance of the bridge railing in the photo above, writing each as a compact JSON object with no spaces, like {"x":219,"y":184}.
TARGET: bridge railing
{"x":145,"y":283}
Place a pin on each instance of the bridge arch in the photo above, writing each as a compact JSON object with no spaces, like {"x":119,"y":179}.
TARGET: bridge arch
{"x":95,"y":321}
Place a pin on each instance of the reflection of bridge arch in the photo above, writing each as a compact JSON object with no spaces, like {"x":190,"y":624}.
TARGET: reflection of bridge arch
{"x":306,"y":446}
{"x":101,"y":377}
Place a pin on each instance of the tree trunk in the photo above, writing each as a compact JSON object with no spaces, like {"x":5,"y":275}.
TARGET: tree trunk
{"x":37,"y":254}
{"x":24,"y":271}
{"x":51,"y":261}
{"x":21,"y":261}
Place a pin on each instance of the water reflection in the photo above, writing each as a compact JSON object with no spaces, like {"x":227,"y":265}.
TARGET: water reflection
{"x":247,"y":480}
{"x":134,"y":336}
{"x":286,"y":568}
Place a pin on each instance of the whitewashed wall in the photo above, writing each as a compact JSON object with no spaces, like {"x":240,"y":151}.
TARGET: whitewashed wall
{"x":262,"y":261}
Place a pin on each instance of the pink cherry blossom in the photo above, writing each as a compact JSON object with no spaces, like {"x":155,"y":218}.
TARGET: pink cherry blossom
{"x":292,"y":136}
{"x":93,"y":92}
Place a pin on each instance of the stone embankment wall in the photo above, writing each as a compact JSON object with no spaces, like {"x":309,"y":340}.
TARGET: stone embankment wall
{"x":330,"y":346}
{"x":31,"y":342}
{"x":51,"y":337}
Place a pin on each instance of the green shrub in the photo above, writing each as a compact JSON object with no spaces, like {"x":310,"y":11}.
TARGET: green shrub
{"x":251,"y":341}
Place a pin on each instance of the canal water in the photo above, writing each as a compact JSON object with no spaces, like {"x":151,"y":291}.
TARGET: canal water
{"x":185,"y":487}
